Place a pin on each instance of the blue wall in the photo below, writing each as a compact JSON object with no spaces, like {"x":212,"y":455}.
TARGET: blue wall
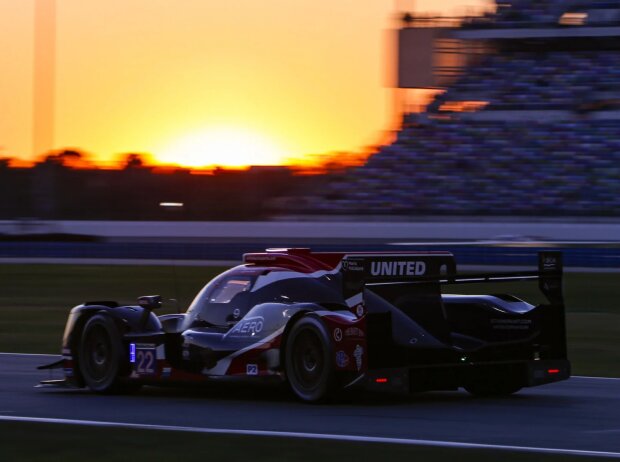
{"x":593,"y":257}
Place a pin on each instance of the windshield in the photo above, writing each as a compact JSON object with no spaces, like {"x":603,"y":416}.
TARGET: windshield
{"x":225,"y":292}
{"x":222,"y":302}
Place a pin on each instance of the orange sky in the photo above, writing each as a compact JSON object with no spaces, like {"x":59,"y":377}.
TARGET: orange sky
{"x":203,"y":82}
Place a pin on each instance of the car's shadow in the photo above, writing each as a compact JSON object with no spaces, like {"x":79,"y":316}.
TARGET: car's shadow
{"x":280,"y":394}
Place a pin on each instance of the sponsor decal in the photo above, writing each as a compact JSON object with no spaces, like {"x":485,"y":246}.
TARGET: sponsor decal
{"x":261,"y":257}
{"x":337,"y":334}
{"x":358,"y":353}
{"x":352,"y":265}
{"x":251,"y":369}
{"x":397,"y":268}
{"x":161,"y":352}
{"x":354,"y":332}
{"x":355,"y":300}
{"x":511,"y":324}
{"x":249,"y":326}
{"x":342,"y":359}
{"x":359,"y":310}
{"x":550,"y":263}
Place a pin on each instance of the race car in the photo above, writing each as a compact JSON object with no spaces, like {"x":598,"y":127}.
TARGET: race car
{"x":326,"y":323}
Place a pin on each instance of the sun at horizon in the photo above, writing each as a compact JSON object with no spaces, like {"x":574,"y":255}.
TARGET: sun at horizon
{"x":224,"y":147}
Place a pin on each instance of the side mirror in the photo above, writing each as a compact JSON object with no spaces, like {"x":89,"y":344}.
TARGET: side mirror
{"x":150,"y":302}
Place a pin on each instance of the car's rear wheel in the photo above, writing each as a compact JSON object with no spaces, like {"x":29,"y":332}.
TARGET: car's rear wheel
{"x":308,"y":360}
{"x":100,"y":356}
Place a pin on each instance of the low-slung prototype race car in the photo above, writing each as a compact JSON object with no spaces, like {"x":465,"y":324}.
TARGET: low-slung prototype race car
{"x":326,"y":322}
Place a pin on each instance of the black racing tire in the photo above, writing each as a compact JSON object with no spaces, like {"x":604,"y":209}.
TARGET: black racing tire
{"x":101,"y":358}
{"x":491,"y":388}
{"x":308,"y":361}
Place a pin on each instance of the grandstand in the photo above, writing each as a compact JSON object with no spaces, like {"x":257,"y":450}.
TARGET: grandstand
{"x":529,"y":126}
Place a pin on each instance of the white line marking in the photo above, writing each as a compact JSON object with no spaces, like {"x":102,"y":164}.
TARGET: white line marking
{"x":312,"y":436}
{"x":596,"y":378}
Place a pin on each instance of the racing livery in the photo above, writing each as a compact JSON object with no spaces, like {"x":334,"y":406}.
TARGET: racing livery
{"x":325,"y":322}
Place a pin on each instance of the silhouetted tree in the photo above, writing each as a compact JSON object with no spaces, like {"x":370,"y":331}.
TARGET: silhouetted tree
{"x":68,"y":158}
{"x":133,"y":160}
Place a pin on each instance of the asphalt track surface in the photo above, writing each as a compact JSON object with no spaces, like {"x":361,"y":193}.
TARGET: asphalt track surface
{"x":581,"y":414}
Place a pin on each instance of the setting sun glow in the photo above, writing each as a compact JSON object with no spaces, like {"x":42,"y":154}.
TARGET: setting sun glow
{"x":226,"y":147}
{"x":199,"y":82}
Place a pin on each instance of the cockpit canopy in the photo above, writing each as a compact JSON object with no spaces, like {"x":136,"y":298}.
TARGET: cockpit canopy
{"x":228,"y":297}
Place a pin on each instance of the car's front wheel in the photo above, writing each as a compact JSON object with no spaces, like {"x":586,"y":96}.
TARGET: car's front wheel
{"x":308,"y":360}
{"x":100,"y":355}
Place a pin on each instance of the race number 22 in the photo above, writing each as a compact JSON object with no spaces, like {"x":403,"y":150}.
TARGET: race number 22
{"x":144,"y":359}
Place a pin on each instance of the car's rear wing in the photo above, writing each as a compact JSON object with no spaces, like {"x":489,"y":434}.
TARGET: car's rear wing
{"x":430,"y":268}
{"x":374,"y":268}
{"x":426,"y":273}
{"x":440,"y":268}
